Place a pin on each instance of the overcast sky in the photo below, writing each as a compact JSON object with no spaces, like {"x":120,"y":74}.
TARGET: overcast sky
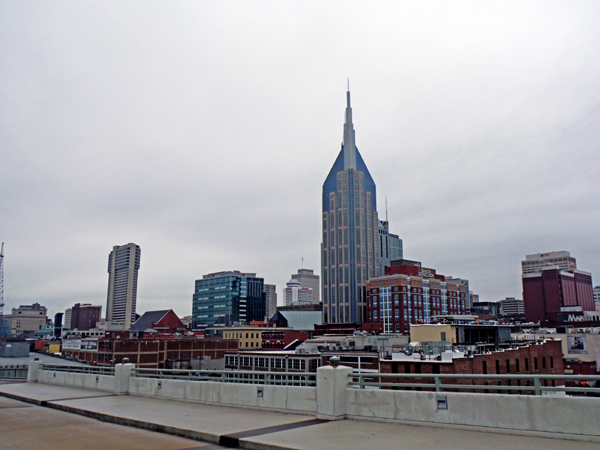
{"x":203,"y":132}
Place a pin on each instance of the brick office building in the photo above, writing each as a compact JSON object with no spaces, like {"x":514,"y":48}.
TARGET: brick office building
{"x":551,"y":291}
{"x":540,"y":358}
{"x":84,"y":317}
{"x":411,"y":294}
{"x":148,"y":353}
{"x":278,"y":339}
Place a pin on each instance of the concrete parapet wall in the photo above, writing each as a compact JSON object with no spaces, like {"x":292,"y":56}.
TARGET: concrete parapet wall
{"x":545,"y":414}
{"x":82,"y":380}
{"x":280,"y":398}
{"x":332,"y":399}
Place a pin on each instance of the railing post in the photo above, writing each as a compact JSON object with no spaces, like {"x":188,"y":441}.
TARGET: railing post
{"x":332,"y":383}
{"x":438,"y":384}
{"x":33,"y":371}
{"x":538,"y":386}
{"x":122,"y":376}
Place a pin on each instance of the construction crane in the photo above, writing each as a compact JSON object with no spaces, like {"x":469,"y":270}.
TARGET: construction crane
{"x":4,"y":330}
{"x":2,"y":282}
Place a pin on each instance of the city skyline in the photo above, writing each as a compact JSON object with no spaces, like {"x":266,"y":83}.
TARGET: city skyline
{"x":205,"y":139}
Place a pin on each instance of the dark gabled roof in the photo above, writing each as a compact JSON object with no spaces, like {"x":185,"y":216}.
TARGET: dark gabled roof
{"x":145,"y":322}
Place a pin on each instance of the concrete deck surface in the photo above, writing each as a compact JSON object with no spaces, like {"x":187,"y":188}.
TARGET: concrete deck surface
{"x":257,"y":429}
{"x":24,"y":426}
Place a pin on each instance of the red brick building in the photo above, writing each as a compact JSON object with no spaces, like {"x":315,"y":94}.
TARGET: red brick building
{"x":540,"y":359}
{"x":151,"y":353}
{"x":85,"y":317}
{"x":276,"y":339}
{"x":552,"y":290}
{"x":411,"y":294}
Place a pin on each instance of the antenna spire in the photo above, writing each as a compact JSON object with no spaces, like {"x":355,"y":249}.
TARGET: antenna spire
{"x":386,"y":216}
{"x":349,"y":137}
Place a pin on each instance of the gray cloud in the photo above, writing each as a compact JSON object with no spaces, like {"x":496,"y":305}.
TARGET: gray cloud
{"x":203,"y":132}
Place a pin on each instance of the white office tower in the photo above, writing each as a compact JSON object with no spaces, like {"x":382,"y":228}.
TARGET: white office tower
{"x":308,"y":279}
{"x":295,"y":294}
{"x":123,"y":266}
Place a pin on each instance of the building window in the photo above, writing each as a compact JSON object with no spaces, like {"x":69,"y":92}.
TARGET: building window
{"x":535,"y":363}
{"x":552,"y":362}
{"x":277,"y":363}
{"x":526,"y":364}
{"x":544,"y":362}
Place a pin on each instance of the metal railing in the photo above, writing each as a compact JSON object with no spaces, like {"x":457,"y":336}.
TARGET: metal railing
{"x":520,"y":384}
{"x":96,"y":370}
{"x":13,"y":372}
{"x":228,"y":376}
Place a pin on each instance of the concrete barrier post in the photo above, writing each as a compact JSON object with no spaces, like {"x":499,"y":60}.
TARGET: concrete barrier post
{"x":33,"y":371}
{"x":332,"y":383}
{"x":122,"y":375}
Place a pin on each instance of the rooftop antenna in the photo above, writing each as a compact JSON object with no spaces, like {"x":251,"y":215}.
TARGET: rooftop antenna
{"x":386,"y":216}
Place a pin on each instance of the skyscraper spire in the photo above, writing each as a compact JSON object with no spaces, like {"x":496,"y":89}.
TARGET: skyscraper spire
{"x":349,"y":137}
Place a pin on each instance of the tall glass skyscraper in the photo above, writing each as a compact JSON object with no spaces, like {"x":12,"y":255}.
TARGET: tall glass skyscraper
{"x":350,"y":250}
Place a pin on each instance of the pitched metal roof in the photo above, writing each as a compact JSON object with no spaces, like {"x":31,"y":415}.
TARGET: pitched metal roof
{"x":145,"y":322}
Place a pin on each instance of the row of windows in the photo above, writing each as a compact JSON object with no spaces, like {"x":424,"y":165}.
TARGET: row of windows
{"x":518,"y":365}
{"x":233,"y":335}
{"x":266,"y":363}
{"x":417,"y":301}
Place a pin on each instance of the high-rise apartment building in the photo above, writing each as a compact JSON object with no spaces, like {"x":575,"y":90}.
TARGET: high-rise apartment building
{"x":123,"y":266}
{"x":534,"y":263}
{"x":308,"y":279}
{"x":225,"y":299}
{"x":350,"y":249}
{"x":271,"y":299}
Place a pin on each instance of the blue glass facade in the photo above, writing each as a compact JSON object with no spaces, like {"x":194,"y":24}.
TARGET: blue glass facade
{"x":227,"y":298}
{"x":350,"y":252}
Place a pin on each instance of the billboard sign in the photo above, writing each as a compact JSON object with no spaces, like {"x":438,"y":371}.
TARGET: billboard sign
{"x":577,"y":344}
